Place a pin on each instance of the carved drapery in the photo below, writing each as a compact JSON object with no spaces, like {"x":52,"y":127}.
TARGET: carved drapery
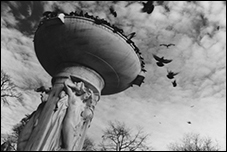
{"x":60,"y":123}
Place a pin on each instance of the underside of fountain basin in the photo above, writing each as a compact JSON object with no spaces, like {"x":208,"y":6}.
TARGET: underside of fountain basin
{"x":80,"y":40}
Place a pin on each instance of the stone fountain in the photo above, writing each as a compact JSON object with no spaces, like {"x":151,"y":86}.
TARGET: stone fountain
{"x":87,"y":57}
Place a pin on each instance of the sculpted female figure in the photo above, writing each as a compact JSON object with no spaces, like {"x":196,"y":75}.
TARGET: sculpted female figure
{"x":63,"y":127}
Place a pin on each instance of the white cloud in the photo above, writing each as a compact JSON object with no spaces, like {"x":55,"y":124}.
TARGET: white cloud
{"x":18,"y":58}
{"x":199,"y":56}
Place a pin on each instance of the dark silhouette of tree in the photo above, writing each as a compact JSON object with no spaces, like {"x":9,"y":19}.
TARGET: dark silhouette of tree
{"x":88,"y":145}
{"x":117,"y":137}
{"x":19,"y":127}
{"x":193,"y":142}
{"x":8,"y":89}
{"x":7,"y":146}
{"x":10,"y":142}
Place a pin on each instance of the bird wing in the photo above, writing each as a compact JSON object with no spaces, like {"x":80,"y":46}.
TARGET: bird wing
{"x":175,"y":74}
{"x":148,"y":3}
{"x":163,"y":45}
{"x":156,"y":57}
{"x":134,"y":33}
{"x":112,"y":11}
{"x":168,"y":76}
{"x":151,"y":9}
{"x":169,"y":72}
{"x":174,"y":83}
{"x":115,"y":14}
{"x":147,"y":6}
{"x":166,"y":61}
{"x":131,"y":35}
{"x":171,"y":44}
{"x":160,"y":64}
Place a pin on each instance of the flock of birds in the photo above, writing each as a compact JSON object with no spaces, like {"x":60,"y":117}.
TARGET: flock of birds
{"x":161,"y":61}
{"x":148,"y":8}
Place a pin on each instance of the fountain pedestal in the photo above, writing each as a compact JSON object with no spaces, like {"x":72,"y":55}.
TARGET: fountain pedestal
{"x":61,"y":123}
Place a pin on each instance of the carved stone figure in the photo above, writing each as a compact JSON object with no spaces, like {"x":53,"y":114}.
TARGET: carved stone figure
{"x":69,"y":118}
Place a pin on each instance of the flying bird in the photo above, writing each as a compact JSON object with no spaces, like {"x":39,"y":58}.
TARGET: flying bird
{"x":189,"y":122}
{"x":161,"y":60}
{"x":148,"y":7}
{"x":130,"y":36}
{"x":171,"y":74}
{"x":218,"y":27}
{"x":167,"y":45}
{"x":113,"y":12}
{"x":174,"y":83}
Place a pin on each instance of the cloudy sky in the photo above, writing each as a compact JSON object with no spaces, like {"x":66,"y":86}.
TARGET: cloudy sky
{"x":198,"y":30}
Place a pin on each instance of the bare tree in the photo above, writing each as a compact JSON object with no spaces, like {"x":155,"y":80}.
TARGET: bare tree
{"x":10,"y":141}
{"x":8,"y":89}
{"x":19,"y":127}
{"x":88,"y":145}
{"x":193,"y":142}
{"x":119,"y":138}
{"x":7,"y":146}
